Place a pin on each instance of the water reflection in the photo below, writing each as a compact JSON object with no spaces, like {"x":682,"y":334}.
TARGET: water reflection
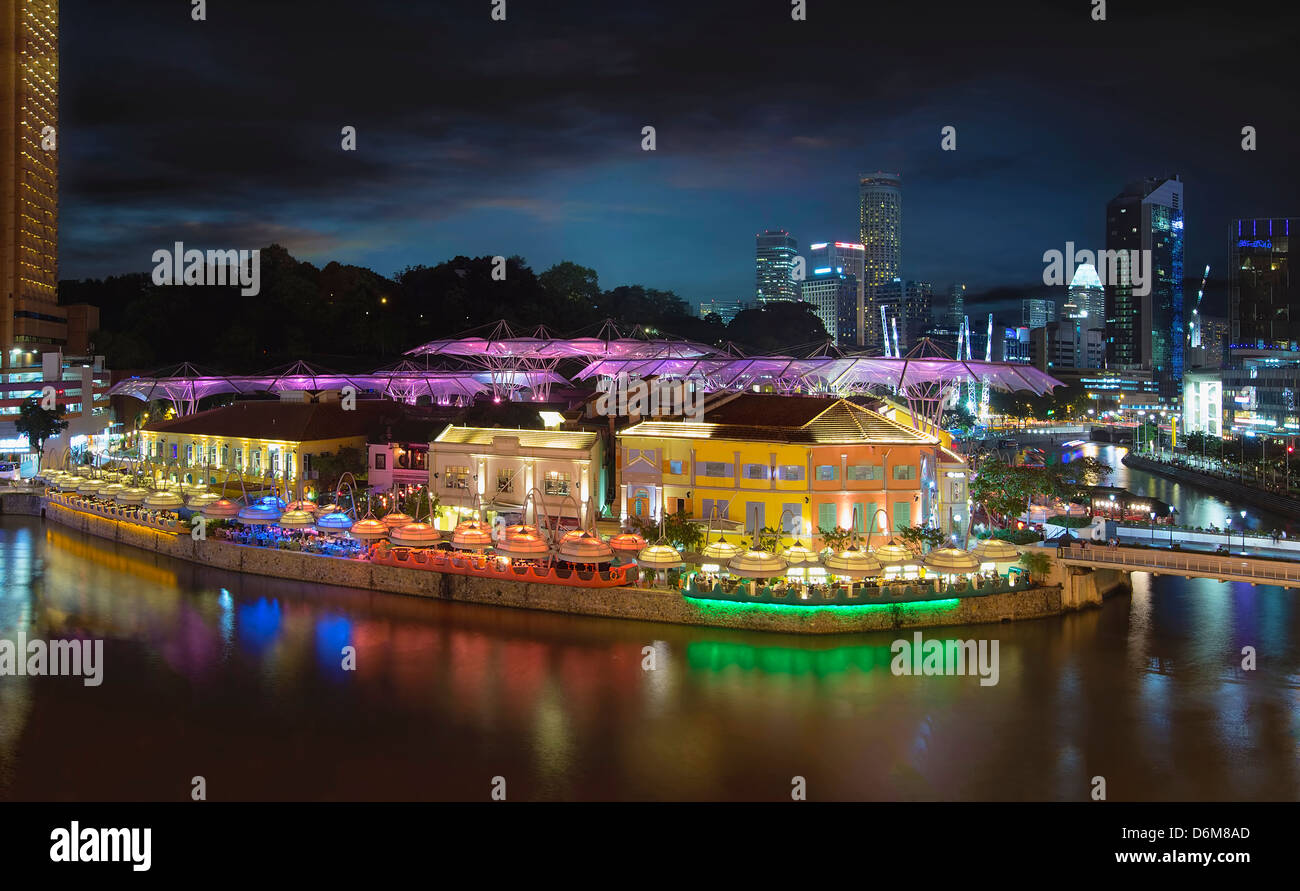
{"x":241,"y":679}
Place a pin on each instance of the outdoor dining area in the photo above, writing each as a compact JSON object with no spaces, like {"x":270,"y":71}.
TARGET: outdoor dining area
{"x":772,"y":568}
{"x":893,"y":571}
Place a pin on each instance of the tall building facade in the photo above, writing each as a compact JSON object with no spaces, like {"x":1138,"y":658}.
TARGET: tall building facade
{"x":850,"y":258}
{"x":956,"y":305}
{"x":1037,"y":313}
{"x":1088,"y":297}
{"x":833,"y":295}
{"x":724,"y":309}
{"x":910,"y":302}
{"x":31,"y":320}
{"x":774,"y":261}
{"x":880,"y":223}
{"x":1145,"y":330}
{"x":1264,"y":298}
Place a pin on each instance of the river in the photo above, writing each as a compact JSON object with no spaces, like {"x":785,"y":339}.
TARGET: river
{"x":239,"y":680}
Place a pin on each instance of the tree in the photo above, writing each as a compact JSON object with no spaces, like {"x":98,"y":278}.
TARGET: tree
{"x":766,"y":539}
{"x":39,"y":424}
{"x":418,"y":505}
{"x":331,"y":467}
{"x":1072,"y":480}
{"x":917,"y":536}
{"x":1036,"y":562}
{"x":836,"y":538}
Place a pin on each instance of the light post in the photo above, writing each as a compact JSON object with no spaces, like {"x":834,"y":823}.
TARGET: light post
{"x":1153,"y":528}
{"x":1243,"y":530}
{"x":1289,"y":449}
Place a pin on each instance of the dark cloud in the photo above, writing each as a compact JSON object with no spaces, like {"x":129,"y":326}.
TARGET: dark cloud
{"x":523,"y":137}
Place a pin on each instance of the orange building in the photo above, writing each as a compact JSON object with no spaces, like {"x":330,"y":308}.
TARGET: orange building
{"x":802,"y":463}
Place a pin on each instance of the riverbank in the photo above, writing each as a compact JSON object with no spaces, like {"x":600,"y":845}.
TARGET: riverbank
{"x":641,"y":604}
{"x":1279,"y":504}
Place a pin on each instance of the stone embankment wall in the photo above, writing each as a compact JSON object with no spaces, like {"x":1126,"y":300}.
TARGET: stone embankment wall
{"x":643,"y":604}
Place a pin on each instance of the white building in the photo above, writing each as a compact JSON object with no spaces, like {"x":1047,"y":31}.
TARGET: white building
{"x":497,"y":469}
{"x":1203,"y":402}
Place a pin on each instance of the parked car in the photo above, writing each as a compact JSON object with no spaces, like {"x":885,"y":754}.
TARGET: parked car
{"x":9,"y":471}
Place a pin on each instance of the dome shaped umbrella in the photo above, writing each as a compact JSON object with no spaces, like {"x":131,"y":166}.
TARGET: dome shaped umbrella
{"x":295,"y":519}
{"x":200,"y":500}
{"x":396,"y":519}
{"x":258,"y":515}
{"x":369,"y":529}
{"x":220,"y":509}
{"x":757,"y":565}
{"x":721,"y":551}
{"x":995,"y":550}
{"x":659,"y":556}
{"x":334,"y":521}
{"x":522,"y":544}
{"x":414,"y":535}
{"x":853,"y":564}
{"x":272,"y":501}
{"x":895,"y":554}
{"x":628,"y":543}
{"x":309,"y":506}
{"x":470,"y":536}
{"x":111,"y":490}
{"x":951,"y":561}
{"x":163,"y":501}
{"x":193,"y":489}
{"x":584,"y":548}
{"x":89,"y":487}
{"x":797,"y":554}
{"x":131,"y":496}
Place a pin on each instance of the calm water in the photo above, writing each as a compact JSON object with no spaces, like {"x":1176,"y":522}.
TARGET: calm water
{"x":239,"y":680}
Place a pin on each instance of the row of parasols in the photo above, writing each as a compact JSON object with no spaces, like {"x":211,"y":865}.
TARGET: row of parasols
{"x":523,"y":541}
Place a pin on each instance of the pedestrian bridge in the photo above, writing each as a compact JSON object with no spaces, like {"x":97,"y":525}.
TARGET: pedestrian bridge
{"x":1222,"y":567}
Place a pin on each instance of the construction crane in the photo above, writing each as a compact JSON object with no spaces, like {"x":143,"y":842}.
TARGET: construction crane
{"x":1194,"y":330}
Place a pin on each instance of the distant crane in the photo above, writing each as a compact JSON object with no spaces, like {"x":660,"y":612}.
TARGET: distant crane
{"x":1194,"y":330}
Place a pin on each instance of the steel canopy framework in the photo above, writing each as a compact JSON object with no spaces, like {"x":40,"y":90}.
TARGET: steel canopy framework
{"x":510,"y":358}
{"x":508,"y":365}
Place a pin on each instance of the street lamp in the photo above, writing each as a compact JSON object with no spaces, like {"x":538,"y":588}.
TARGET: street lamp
{"x":1243,"y":530}
{"x":1227,"y":531}
{"x":1153,"y":528}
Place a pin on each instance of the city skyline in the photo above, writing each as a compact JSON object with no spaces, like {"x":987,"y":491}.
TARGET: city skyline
{"x":444,"y":167}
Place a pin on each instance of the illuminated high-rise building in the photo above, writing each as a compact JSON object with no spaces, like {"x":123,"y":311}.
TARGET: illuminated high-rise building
{"x":32,"y":321}
{"x":1144,"y":325}
{"x":1087,"y":297}
{"x":775,"y":251}
{"x":880,"y":218}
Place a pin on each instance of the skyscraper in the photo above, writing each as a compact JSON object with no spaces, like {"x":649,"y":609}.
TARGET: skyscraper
{"x":1088,"y":297}
{"x":850,"y":258}
{"x":1264,"y":299}
{"x":956,"y":305}
{"x":1145,"y":331}
{"x":1037,"y":313}
{"x":29,"y":198}
{"x":774,"y":260}
{"x":880,"y":219}
{"x":833,"y":294}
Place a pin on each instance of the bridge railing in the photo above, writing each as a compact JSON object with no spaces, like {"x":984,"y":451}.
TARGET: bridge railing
{"x":1175,"y":561}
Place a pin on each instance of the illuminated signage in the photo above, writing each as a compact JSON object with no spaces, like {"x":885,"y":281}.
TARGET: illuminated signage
{"x":1255,"y":243}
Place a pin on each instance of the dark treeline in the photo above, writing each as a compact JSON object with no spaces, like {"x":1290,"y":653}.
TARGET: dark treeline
{"x":352,"y":319}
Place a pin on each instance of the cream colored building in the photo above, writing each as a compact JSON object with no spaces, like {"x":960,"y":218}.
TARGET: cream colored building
{"x":496,"y":469}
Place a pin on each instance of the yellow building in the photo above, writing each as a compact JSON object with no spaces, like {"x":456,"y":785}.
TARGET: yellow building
{"x":798,"y":463}
{"x":273,"y":438}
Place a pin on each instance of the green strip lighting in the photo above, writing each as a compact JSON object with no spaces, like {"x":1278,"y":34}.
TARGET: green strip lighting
{"x":920,"y":606}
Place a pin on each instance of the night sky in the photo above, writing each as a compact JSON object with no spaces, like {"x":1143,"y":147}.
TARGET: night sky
{"x":524,"y":137}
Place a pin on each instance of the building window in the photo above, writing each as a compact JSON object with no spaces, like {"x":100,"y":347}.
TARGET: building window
{"x":675,"y":467}
{"x":827,"y":472}
{"x":239,"y":459}
{"x":381,"y":461}
{"x":904,"y":471}
{"x":715,"y":468}
{"x":790,"y":472}
{"x":864,"y":472}
{"x":505,"y":480}
{"x":755,"y":471}
{"x":456,"y":477}
{"x":189,"y":453}
{"x":826,"y":516}
{"x":556,"y":483}
{"x":174,"y":447}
